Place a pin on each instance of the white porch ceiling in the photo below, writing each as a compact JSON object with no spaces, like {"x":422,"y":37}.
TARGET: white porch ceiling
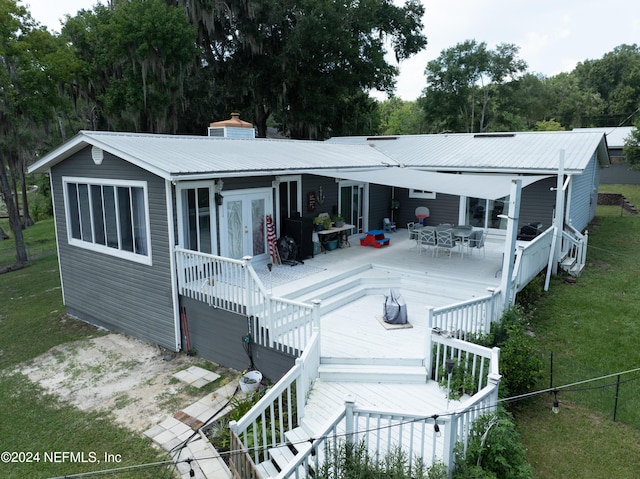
{"x":489,"y":186}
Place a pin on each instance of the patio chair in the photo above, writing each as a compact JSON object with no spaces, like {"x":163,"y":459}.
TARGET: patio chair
{"x":413,"y":234}
{"x":445,"y":240}
{"x":478,"y":241}
{"x":427,"y":240}
{"x":389,"y":226}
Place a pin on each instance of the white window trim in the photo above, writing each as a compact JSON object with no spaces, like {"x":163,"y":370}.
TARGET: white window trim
{"x":127,"y":255}
{"x":187,"y":185}
{"x":421,"y":194}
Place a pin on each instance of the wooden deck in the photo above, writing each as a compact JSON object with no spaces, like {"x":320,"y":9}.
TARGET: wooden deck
{"x":351,"y":330}
{"x":380,"y":367}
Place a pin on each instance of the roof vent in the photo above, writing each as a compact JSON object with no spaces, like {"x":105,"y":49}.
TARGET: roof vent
{"x":494,"y":135}
{"x":234,"y":127}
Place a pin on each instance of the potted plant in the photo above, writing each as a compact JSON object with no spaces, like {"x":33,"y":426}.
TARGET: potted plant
{"x":317,"y":223}
{"x":326,"y":223}
{"x":338,"y":220}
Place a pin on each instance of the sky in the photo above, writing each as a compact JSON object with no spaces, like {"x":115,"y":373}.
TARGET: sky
{"x":553,"y":35}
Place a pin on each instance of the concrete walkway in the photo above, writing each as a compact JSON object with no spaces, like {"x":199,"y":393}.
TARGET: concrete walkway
{"x":181,"y":436}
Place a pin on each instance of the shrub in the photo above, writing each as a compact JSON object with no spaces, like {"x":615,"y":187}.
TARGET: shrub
{"x":494,"y":450}
{"x":347,"y":460}
{"x":520,"y":362}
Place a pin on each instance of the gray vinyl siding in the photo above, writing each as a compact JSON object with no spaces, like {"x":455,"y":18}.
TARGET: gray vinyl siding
{"x":379,"y":205}
{"x":537,"y":203}
{"x":443,"y":209}
{"x":584,"y":196}
{"x":112,"y":292}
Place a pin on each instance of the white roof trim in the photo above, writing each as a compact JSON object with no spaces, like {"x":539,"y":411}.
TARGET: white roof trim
{"x":490,"y":186}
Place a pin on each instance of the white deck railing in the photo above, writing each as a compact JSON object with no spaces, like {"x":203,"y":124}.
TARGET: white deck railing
{"x":574,"y":245}
{"x":381,"y":432}
{"x":472,"y":317}
{"x":531,"y":258}
{"x":233,"y":285}
{"x":279,"y":410}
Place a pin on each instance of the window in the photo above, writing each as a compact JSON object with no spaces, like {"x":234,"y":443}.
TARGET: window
{"x":110,"y":216}
{"x":422,"y":194}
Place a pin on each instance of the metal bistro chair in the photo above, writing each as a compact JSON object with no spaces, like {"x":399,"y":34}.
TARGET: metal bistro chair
{"x":445,"y":240}
{"x":427,"y":240}
{"x":477,"y":241}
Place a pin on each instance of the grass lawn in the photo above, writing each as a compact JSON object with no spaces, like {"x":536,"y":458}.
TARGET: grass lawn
{"x":592,"y":327}
{"x":32,"y":321}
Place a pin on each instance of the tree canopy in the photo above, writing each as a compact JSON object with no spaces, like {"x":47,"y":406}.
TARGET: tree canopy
{"x":303,"y":62}
{"x":460,"y":83}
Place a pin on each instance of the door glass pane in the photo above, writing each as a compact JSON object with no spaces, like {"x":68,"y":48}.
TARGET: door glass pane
{"x":235,"y":229}
{"x":204,"y":220}
{"x":189,"y":212}
{"x":496,"y":208}
{"x":258,"y":226}
{"x":476,"y":212}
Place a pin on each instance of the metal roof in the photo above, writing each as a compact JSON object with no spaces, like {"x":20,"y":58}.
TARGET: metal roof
{"x":527,"y":152}
{"x":616,"y":135}
{"x":175,"y":156}
{"x":181,"y":157}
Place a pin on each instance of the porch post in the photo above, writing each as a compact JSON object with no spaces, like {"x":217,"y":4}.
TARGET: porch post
{"x":559,"y":218}
{"x":506,"y":283}
{"x":349,"y":404}
{"x":428,"y":343}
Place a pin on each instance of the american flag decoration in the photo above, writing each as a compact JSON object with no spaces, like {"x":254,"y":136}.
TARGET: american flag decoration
{"x":271,"y":238}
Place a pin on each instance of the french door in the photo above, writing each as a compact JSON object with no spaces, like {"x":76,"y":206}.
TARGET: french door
{"x":487,"y":214}
{"x":243,"y":229}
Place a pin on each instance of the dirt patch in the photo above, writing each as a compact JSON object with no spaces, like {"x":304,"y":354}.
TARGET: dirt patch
{"x":128,"y":378}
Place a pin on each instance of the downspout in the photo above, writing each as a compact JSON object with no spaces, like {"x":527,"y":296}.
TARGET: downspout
{"x":559,"y":218}
{"x":172,"y":265}
{"x":506,"y":282}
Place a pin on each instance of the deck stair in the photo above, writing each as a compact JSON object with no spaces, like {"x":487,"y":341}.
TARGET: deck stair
{"x":350,"y":286}
{"x":570,"y":264}
{"x":297,"y":443}
{"x":373,"y":370}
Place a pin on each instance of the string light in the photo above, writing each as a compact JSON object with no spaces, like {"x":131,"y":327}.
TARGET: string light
{"x":436,"y":428}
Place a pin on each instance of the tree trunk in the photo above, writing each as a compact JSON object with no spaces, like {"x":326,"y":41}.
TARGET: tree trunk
{"x":14,"y":216}
{"x":261,"y":117}
{"x":26,"y":217}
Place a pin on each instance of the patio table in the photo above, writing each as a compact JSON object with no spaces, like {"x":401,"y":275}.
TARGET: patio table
{"x":463,"y":235}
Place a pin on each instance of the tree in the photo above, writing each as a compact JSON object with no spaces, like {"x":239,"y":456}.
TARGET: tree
{"x":460,"y":81}
{"x":616,"y":79}
{"x":303,"y":62}
{"x":24,"y":94}
{"x":399,"y":117}
{"x":136,"y":59}
{"x":632,"y":148}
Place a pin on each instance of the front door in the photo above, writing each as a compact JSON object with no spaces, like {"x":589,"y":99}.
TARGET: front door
{"x":243,"y":223}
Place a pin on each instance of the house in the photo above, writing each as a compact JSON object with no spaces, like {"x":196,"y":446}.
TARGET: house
{"x":618,"y":171}
{"x":156,"y":232}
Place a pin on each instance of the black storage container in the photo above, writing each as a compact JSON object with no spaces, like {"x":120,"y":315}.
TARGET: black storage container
{"x":301,"y":230}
